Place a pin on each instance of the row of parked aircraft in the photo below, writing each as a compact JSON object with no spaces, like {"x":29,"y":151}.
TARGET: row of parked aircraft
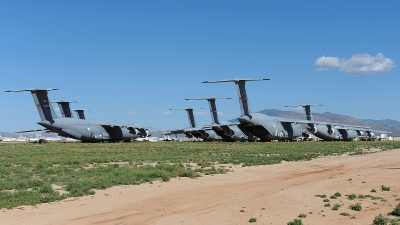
{"x":251,"y":126}
{"x":258,"y":126}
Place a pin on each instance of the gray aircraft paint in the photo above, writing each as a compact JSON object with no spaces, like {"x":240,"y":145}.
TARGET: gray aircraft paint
{"x":331,"y":131}
{"x":226,"y":130}
{"x":85,"y":130}
{"x":265,"y":127}
{"x":206,"y":133}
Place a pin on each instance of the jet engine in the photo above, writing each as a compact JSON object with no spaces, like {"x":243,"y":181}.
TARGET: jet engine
{"x":229,"y":132}
{"x":144,"y":132}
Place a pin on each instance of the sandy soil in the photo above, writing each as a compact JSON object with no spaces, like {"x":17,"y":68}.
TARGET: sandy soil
{"x":273,"y":194}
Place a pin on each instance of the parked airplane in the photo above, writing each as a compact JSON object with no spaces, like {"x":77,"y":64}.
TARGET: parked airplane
{"x":85,"y":130}
{"x":332,"y":131}
{"x":227,"y":130}
{"x":64,"y":108}
{"x":206,"y":133}
{"x":265,"y":127}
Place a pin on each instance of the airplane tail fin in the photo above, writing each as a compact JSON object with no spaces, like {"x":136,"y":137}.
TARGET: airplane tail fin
{"x":192,"y":122}
{"x":80,"y":113}
{"x":307,"y":110}
{"x":241,"y":89}
{"x":64,"y":108}
{"x":213,"y":107}
{"x":42,"y":102}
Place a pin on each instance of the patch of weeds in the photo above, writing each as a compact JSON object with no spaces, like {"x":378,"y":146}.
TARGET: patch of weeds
{"x":326,"y":200}
{"x":336,"y":207}
{"x":333,"y":197}
{"x":394,"y":222}
{"x":241,"y":210}
{"x":380,"y":220}
{"x":356,"y":207}
{"x":262,"y":208}
{"x":253,"y":220}
{"x":373,"y":190}
{"x":396,"y":211}
{"x":352,"y":196}
{"x":337,"y":194}
{"x":310,"y":213}
{"x":363,"y":182}
{"x":344,"y":214}
{"x":349,"y":179}
{"x":327,"y":205}
{"x":302,"y":215}
{"x":295,"y":222}
{"x":385,"y":188}
{"x":361,"y":197}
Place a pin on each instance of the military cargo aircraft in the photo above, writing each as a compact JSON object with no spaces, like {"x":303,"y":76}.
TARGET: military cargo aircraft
{"x":333,"y":131}
{"x":84,"y":130}
{"x":265,"y":127}
{"x":228,"y":131}
{"x":206,"y":133}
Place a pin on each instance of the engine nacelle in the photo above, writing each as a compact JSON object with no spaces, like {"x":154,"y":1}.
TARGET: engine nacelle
{"x":313,"y":130}
{"x":144,"y":132}
{"x":205,"y":135}
{"x":229,"y":132}
{"x":331,"y":131}
{"x":371,"y":134}
{"x":188,"y":135}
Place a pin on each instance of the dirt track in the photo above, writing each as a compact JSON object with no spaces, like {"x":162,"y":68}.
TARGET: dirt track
{"x":273,"y":194}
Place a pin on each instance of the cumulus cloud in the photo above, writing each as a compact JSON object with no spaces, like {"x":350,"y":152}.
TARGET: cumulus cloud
{"x":358,"y":64}
{"x":167,"y":112}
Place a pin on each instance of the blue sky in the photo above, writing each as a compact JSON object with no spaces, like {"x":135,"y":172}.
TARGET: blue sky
{"x":134,"y":60}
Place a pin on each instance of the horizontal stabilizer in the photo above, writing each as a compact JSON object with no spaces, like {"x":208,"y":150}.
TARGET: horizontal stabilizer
{"x":210,"y":98}
{"x":236,"y":80}
{"x":34,"y":89}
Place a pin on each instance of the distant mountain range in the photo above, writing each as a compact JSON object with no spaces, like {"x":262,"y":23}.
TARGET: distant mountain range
{"x":384,"y":125}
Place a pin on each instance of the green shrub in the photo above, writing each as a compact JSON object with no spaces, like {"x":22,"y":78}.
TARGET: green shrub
{"x":380,"y":220}
{"x":337,"y":194}
{"x":352,"y":196}
{"x":253,"y":220}
{"x":384,"y":188}
{"x":344,"y":214}
{"x":302,"y":215}
{"x":336,"y":207}
{"x":356,"y":207}
{"x":394,"y":222}
{"x":333,"y":197}
{"x":396,"y":211}
{"x":373,"y":190}
{"x":295,"y":222}
{"x":326,"y":200}
{"x":327,"y":205}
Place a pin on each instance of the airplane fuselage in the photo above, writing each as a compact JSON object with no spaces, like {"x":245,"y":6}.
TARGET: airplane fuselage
{"x":332,"y":134}
{"x":269,"y":128}
{"x":88,"y":130}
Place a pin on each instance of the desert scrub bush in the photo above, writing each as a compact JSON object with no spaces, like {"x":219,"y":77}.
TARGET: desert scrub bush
{"x":302,"y":215}
{"x":352,"y":196}
{"x":253,"y":220}
{"x":295,"y":222}
{"x":396,"y":211}
{"x":344,"y":214}
{"x":385,"y":188}
{"x":380,"y":220}
{"x":327,"y":205}
{"x":336,"y":207}
{"x":333,"y":197}
{"x":394,"y":222}
{"x":326,"y":200}
{"x":337,"y":194}
{"x":356,"y":207}
{"x":373,"y":190}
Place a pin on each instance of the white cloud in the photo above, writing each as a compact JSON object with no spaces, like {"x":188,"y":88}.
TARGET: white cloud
{"x":2,"y":111}
{"x":167,"y":112}
{"x":358,"y":64}
{"x":134,"y":113}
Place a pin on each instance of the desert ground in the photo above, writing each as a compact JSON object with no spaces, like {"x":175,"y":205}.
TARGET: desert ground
{"x":273,"y":194}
